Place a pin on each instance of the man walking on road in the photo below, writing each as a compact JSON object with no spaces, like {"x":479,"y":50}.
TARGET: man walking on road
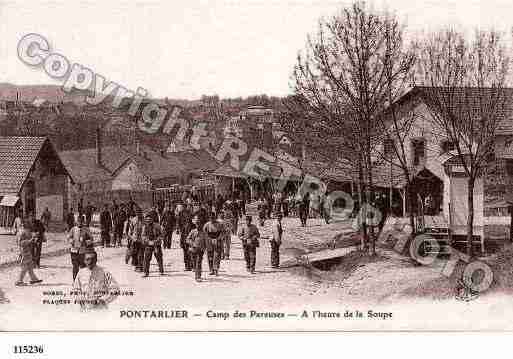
{"x":304,"y":209}
{"x":79,"y":238}
{"x":215,"y":232}
{"x":105,"y":226}
{"x":185,"y":227}
{"x":26,"y":243}
{"x":88,"y":214}
{"x":135,"y":238}
{"x":249,"y":236}
{"x":38,"y":231}
{"x":46,"y":218}
{"x":119,"y":223}
{"x":276,"y":241}
{"x":197,"y":243}
{"x":168,"y":224}
{"x":152,"y":239}
{"x":226,"y":238}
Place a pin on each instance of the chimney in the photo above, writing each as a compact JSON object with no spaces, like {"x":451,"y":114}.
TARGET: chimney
{"x":137,"y":147}
{"x":98,"y":146}
{"x":267,"y":135}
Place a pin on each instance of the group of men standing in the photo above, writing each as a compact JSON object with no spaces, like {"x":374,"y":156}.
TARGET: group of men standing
{"x":202,"y":228}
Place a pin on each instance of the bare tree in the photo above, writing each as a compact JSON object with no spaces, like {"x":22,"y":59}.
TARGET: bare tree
{"x":347,"y":75}
{"x":466,"y":96}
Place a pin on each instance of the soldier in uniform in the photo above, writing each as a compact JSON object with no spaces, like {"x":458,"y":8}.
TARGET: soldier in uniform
{"x":168,"y":224}
{"x":119,"y":224}
{"x":38,"y":230}
{"x":26,"y":243}
{"x":185,"y":227}
{"x":215,"y":232}
{"x":304,"y":209}
{"x":197,"y":242}
{"x":106,"y":226}
{"x":249,"y":236}
{"x":80,"y":240}
{"x":135,"y":237}
{"x":226,"y":239}
{"x":261,"y":208}
{"x":152,"y":238}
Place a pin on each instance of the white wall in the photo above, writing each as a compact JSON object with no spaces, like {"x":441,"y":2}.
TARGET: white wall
{"x":129,"y":178}
{"x":55,"y":204}
{"x":455,"y":192}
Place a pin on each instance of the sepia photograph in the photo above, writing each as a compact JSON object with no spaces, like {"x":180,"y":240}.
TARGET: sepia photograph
{"x":256,"y":166}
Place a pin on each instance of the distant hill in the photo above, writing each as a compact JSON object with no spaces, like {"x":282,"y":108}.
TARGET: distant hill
{"x":54,"y":93}
{"x":51,"y":93}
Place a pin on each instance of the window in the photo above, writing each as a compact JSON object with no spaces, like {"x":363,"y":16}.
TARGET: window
{"x":388,"y":147}
{"x":418,"y":149}
{"x":509,"y":167}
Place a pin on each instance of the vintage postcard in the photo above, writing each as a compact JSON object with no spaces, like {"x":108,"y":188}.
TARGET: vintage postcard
{"x":256,"y":166}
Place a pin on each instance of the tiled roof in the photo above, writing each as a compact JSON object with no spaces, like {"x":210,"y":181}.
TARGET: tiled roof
{"x":158,"y":166}
{"x":17,"y":156}
{"x":197,"y":160}
{"x":464,"y":97}
{"x":82,"y":165}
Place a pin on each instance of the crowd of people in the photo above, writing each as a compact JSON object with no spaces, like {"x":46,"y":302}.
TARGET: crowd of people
{"x":202,"y":227}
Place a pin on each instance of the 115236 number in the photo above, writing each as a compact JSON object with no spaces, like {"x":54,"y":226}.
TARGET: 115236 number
{"x":28,"y":349}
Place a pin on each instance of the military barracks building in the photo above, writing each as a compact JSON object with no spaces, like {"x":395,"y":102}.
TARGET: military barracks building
{"x":32,"y":177}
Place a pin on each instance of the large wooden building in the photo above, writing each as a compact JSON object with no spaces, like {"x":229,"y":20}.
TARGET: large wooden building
{"x":32,"y":178}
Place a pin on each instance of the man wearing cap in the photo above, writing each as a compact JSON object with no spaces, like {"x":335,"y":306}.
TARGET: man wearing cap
{"x":152,"y":238}
{"x":168,"y":222}
{"x":135,"y":237}
{"x":215,"y":232}
{"x":105,"y":225}
{"x":94,"y":287}
{"x":226,"y":238}
{"x":185,"y":227}
{"x":249,"y":236}
{"x":276,"y":241}
{"x":80,"y":239}
{"x":197,"y":243}
{"x":38,"y":231}
{"x":26,"y":243}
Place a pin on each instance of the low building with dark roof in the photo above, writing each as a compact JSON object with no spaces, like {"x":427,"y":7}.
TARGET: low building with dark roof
{"x":95,"y":173}
{"x":32,"y":178}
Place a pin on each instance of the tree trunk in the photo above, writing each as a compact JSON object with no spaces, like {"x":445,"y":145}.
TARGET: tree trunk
{"x":370,"y":191}
{"x":361,"y":214}
{"x":470,"y":220}
{"x":410,"y":214}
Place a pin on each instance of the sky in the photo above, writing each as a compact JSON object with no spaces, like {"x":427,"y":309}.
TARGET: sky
{"x":184,"y":49}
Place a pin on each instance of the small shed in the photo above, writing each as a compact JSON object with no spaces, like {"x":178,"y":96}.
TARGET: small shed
{"x":455,"y":199}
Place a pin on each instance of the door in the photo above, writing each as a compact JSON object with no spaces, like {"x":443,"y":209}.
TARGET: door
{"x":30,"y":197}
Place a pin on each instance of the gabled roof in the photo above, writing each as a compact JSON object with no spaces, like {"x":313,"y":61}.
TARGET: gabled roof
{"x":82,"y":166}
{"x":463,"y":97}
{"x":197,"y":160}
{"x":156,"y":165}
{"x":17,"y":157}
